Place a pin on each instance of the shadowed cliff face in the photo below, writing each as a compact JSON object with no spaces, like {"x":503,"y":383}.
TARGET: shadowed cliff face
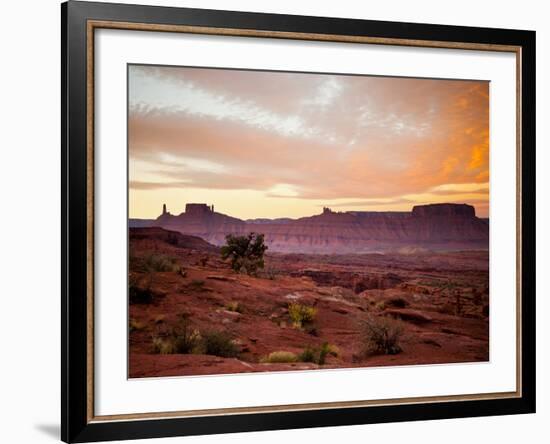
{"x":444,"y":210}
{"x":436,"y":226}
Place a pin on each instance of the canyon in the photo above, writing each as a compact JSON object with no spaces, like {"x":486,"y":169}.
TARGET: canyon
{"x":435,"y":227}
{"x":182,"y":292}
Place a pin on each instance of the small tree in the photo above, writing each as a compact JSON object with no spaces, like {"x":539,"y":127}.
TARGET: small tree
{"x":245,"y":252}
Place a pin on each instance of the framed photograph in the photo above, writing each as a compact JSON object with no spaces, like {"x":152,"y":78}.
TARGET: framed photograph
{"x":275,"y":221}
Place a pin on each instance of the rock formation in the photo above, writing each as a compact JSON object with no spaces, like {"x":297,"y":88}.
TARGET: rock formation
{"x":435,"y":226}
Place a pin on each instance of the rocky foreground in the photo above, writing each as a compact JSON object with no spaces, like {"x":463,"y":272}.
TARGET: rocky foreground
{"x":233,"y":323}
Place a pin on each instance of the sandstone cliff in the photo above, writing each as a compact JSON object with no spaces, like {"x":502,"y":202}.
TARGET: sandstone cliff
{"x":435,"y":226}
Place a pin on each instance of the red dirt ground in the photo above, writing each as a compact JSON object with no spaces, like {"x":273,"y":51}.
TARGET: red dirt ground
{"x":439,"y":299}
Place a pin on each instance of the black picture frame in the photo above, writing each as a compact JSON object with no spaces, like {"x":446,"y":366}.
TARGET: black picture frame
{"x":76,"y":424}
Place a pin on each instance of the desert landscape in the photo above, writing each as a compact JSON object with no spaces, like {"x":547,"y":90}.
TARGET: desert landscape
{"x":287,"y":221}
{"x":411,"y":302}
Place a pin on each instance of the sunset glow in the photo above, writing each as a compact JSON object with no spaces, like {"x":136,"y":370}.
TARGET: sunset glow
{"x":269,"y":144}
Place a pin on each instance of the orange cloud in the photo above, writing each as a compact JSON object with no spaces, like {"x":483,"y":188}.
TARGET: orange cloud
{"x":329,"y":138}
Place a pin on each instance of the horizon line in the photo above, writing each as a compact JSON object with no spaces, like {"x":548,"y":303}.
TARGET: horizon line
{"x":210,"y":207}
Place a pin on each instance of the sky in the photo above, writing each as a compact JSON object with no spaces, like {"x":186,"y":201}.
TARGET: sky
{"x":280,"y":144}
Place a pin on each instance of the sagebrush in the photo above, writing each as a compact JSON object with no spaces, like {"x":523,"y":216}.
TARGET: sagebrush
{"x":381,"y":335}
{"x":179,"y":339}
{"x":218,"y":343}
{"x":160,"y":262}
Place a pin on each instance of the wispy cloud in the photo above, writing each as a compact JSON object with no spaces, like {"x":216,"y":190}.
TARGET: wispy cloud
{"x":347,"y":140}
{"x":137,"y":185}
{"x":179,"y":97}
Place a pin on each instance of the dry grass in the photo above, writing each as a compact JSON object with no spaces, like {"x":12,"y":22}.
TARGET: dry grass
{"x":180,"y":339}
{"x":234,"y":306}
{"x":280,"y":357}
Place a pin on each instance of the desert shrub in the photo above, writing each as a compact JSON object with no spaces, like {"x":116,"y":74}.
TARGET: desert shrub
{"x":159,"y":319}
{"x":333,"y":350}
{"x":196,"y":284}
{"x":380,"y":305}
{"x":138,"y":293}
{"x":311,"y":329}
{"x":135,"y":325}
{"x":234,"y":306}
{"x":186,"y":339}
{"x":246,"y":253}
{"x":180,"y":339}
{"x":139,"y":288}
{"x":280,"y":357}
{"x":163,"y":346}
{"x":301,"y":315}
{"x":381,"y":335}
{"x":218,"y":343}
{"x":317,"y":355}
{"x":323,"y":352}
{"x":160,"y":262}
{"x":308,"y":355}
